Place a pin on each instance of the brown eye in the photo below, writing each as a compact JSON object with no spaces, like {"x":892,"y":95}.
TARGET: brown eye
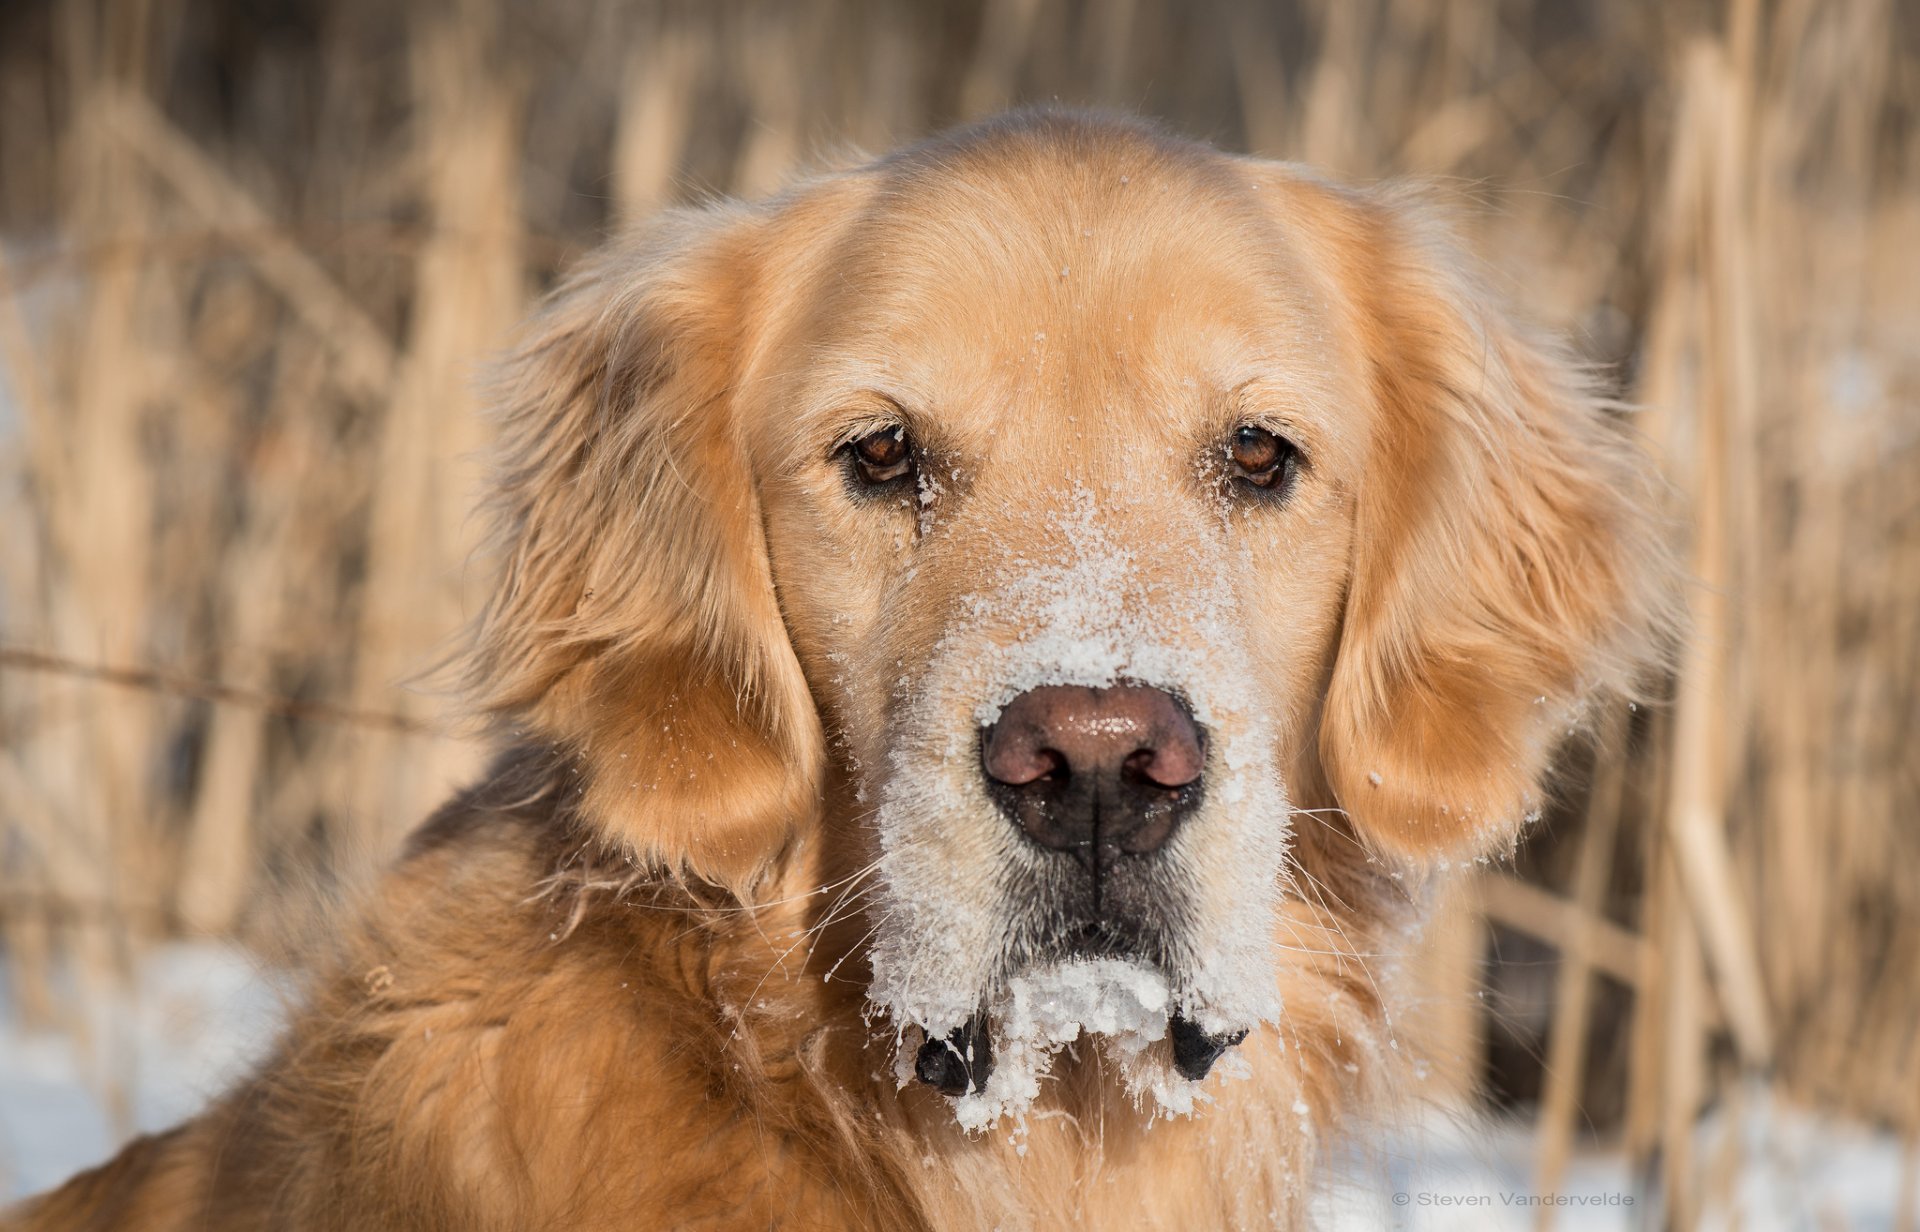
{"x":1261,"y":458}
{"x":881,"y":457}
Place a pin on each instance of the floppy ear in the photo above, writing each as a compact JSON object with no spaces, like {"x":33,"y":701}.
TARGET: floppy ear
{"x":1509,"y":564}
{"x":633,"y":625}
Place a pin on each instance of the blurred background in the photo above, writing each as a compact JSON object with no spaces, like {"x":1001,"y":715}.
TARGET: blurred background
{"x":253,"y":253}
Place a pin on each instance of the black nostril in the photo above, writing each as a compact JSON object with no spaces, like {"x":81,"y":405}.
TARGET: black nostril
{"x":1137,"y":770}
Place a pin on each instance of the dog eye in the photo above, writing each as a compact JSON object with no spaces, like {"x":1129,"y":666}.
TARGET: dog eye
{"x":1262,"y":459}
{"x":881,"y":457}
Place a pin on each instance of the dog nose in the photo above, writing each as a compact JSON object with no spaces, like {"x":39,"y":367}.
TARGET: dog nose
{"x":1095,"y":772}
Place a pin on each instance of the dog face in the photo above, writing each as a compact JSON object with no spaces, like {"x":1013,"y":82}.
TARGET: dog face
{"x":1059,"y":512}
{"x":1045,"y":513}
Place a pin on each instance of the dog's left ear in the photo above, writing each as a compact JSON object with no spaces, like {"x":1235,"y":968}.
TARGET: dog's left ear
{"x":1509,"y":560}
{"x":634,"y":630}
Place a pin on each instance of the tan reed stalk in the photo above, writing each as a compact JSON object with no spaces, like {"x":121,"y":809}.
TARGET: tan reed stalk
{"x":769,"y":56}
{"x":1444,"y":1018}
{"x":468,"y":289}
{"x":1683,"y":1049}
{"x":1567,"y":1040}
{"x":656,"y":117}
{"x":1006,"y":28}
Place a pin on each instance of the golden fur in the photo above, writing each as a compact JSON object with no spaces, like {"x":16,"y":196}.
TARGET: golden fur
{"x":622,"y":983}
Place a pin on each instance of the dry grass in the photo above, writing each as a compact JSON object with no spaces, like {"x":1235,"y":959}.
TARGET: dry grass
{"x":250,"y":266}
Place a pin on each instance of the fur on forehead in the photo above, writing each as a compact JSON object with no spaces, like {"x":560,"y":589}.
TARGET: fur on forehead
{"x":959,"y":294}
{"x":1046,"y":210}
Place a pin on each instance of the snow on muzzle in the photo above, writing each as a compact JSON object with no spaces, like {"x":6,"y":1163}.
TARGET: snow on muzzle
{"x":1081,"y":831}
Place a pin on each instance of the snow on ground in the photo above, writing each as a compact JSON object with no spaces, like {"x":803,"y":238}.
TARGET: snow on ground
{"x":194,"y":1020}
{"x":1803,"y":1172}
{"x":200,"y":1014}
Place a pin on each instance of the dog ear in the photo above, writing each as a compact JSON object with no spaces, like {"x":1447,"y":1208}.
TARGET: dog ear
{"x":633,"y":626}
{"x":1509,"y":564}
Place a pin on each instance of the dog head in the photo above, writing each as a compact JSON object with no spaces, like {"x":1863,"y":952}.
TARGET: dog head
{"x":1049,"y":511}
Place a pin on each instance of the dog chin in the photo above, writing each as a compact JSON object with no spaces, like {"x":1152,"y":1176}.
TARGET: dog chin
{"x":1161,"y":1044}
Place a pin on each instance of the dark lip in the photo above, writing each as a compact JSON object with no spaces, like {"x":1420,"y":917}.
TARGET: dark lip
{"x":1138,"y":916}
{"x":1102,"y":938}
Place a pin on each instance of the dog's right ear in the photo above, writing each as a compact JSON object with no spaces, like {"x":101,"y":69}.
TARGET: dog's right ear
{"x":633,"y":626}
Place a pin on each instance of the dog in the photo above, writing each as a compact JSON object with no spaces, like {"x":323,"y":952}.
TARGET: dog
{"x":993,"y":651}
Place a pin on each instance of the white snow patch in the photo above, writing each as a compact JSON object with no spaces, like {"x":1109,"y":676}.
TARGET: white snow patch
{"x":1797,"y":1169}
{"x":1043,"y":1011}
{"x":195,"y":1018}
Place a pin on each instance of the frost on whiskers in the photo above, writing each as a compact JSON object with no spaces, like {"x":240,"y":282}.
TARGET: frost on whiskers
{"x":1081,"y":613}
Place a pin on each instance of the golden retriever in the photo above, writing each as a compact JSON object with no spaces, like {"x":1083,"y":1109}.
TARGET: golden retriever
{"x":992,"y":649}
